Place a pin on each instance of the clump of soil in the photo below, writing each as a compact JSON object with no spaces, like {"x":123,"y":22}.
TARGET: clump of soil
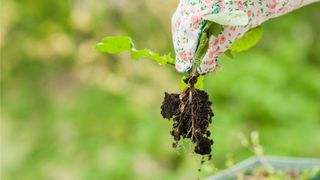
{"x":192,"y":114}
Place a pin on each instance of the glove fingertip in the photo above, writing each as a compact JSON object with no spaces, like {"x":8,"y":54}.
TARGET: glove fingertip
{"x":209,"y":62}
{"x":182,"y":66}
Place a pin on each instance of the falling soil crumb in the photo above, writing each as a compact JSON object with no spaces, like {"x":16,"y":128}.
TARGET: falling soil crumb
{"x":191,"y":114}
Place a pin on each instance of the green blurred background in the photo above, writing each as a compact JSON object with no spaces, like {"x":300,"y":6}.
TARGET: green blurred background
{"x":69,"y":112}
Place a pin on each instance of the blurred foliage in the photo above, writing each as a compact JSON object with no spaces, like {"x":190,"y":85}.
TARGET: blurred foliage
{"x":69,"y":112}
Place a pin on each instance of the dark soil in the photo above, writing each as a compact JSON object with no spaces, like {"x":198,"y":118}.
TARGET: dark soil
{"x":192,"y":114}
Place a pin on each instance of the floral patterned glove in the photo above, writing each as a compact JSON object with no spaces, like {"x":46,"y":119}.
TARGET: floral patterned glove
{"x":236,"y":16}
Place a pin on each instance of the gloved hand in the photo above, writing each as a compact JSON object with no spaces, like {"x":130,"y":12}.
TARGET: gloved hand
{"x":236,"y":16}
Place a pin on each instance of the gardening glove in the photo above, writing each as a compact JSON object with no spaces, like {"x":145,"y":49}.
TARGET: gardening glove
{"x":236,"y":18}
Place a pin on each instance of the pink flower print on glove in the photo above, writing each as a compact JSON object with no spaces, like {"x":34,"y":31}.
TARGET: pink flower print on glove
{"x":236,"y":16}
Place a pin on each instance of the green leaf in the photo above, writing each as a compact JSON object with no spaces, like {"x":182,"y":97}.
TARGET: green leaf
{"x":147,"y":53}
{"x":210,"y":28}
{"x":198,"y":85}
{"x":229,"y":54}
{"x":248,"y":40}
{"x":183,"y":85}
{"x":118,"y":44}
{"x":114,"y":45}
{"x":202,"y":46}
{"x":215,"y":29}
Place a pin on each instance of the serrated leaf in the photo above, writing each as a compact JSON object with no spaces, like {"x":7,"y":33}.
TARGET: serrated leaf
{"x":248,"y":40}
{"x":114,"y":45}
{"x":117,"y":44}
{"x":147,"y":53}
{"x":233,"y":18}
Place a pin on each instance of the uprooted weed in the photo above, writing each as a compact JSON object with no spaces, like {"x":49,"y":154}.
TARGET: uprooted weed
{"x":192,"y":114}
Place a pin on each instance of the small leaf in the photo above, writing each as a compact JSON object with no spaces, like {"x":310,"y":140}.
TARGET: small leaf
{"x":147,"y":53}
{"x":229,"y":54}
{"x":200,"y":83}
{"x":183,"y":85}
{"x":114,"y":45}
{"x":248,"y":40}
{"x":233,"y":18}
{"x":202,"y":47}
{"x":215,"y":29}
{"x":135,"y":54}
{"x":210,"y":28}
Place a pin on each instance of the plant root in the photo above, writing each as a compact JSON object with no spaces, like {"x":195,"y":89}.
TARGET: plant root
{"x":192,"y":114}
